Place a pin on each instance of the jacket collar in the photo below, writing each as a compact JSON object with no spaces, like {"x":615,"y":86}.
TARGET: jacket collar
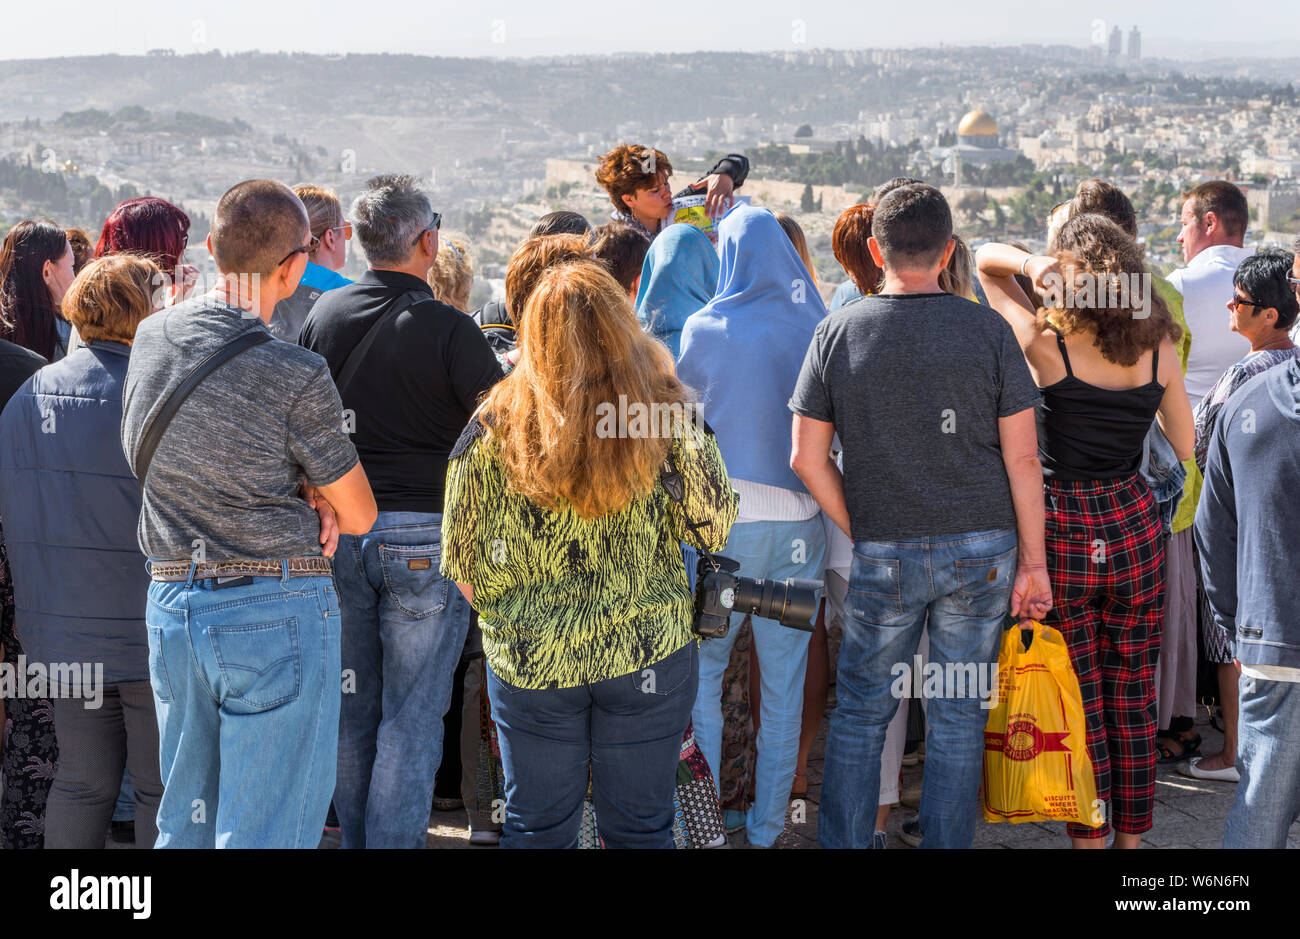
{"x":395,"y":280}
{"x":109,"y":345}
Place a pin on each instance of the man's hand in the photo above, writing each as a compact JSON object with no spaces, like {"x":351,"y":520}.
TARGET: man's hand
{"x":1031,"y":595}
{"x":718,"y":197}
{"x":329,"y":523}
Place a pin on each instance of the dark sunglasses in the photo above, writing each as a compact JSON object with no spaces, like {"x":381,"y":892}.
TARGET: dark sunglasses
{"x":1237,"y":303}
{"x":308,"y":248}
{"x":432,"y":226}
{"x":1293,"y":281}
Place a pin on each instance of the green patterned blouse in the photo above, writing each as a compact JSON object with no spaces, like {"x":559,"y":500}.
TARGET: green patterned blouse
{"x":565,"y":601}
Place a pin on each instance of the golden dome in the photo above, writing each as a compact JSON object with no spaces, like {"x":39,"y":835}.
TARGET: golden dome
{"x":978,"y":123}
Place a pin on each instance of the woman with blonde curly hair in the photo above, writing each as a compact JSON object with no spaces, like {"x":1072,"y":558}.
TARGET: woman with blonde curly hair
{"x":1103,"y":355}
{"x":452,"y":274}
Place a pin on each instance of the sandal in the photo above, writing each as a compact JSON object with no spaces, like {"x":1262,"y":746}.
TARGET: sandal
{"x":1187,"y":747}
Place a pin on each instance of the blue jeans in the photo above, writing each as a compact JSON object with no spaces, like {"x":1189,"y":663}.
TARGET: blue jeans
{"x":404,"y":626}
{"x":964,"y":583}
{"x":626,"y":730}
{"x":1268,"y":759}
{"x":124,"y":807}
{"x":245,"y":682}
{"x":774,"y":550}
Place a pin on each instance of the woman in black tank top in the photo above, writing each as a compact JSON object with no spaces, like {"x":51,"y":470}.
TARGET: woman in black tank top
{"x":1105,"y":543}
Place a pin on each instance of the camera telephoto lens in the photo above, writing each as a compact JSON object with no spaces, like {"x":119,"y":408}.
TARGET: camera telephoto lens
{"x":791,"y":602}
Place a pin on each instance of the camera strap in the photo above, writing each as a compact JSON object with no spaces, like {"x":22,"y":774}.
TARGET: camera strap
{"x":675,"y":486}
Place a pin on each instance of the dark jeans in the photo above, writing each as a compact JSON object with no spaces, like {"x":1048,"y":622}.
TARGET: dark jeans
{"x":94,"y":746}
{"x":626,"y":730}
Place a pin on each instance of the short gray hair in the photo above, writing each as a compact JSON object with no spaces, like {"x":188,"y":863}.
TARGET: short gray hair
{"x":389,"y":215}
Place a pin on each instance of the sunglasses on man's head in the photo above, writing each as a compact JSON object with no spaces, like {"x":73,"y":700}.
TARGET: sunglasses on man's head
{"x":432,"y":226}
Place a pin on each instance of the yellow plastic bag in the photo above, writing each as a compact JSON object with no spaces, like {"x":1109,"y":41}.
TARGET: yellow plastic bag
{"x":1036,"y":765}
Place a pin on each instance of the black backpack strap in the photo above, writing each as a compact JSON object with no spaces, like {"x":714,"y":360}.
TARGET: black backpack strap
{"x":352,"y":364}
{"x":152,"y":435}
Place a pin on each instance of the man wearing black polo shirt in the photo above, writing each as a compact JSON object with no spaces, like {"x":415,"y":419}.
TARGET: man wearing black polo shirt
{"x":410,"y":371}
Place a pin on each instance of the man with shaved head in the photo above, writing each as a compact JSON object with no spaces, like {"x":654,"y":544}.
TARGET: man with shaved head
{"x":248,"y":478}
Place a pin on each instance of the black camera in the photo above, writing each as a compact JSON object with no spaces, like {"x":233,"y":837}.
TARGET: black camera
{"x":720,"y":591}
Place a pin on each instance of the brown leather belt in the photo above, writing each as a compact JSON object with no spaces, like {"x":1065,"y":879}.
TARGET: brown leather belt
{"x":174,"y":571}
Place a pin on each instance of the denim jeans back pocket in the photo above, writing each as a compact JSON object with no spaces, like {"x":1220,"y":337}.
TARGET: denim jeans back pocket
{"x":260,"y":665}
{"x":984,"y":584}
{"x":412,"y":578}
{"x":668,"y":675}
{"x":875,"y":592}
{"x":158,"y":676}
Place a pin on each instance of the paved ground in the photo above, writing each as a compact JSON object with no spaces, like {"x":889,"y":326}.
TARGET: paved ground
{"x":1189,"y":813}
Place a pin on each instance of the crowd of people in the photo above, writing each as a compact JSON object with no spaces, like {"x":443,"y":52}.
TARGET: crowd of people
{"x":331,"y":553}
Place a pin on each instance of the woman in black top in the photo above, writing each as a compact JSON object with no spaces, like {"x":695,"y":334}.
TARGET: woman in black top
{"x":1104,"y":358}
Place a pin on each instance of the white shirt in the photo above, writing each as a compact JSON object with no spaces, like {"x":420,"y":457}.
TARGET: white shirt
{"x":1206,"y":286}
{"x":762,"y":503}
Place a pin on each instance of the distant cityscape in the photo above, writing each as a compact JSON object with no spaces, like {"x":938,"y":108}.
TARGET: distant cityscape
{"x":1006,"y":132}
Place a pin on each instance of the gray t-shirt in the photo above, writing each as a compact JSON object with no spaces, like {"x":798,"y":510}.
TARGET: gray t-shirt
{"x":225,"y":478}
{"x":915,"y":385}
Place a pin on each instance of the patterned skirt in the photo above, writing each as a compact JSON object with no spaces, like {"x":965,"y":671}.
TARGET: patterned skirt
{"x":31,"y":751}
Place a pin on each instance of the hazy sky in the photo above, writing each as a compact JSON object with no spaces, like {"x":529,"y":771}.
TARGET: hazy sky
{"x":544,"y":27}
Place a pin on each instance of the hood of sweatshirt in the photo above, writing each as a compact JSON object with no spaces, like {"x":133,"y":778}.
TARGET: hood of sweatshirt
{"x":1283,"y":383}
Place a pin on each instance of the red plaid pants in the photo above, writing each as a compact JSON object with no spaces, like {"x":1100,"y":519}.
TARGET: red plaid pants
{"x":1105,"y":557}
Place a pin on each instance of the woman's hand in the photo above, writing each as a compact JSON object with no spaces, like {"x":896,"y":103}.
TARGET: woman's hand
{"x":1039,"y":268}
{"x":184,"y":286}
{"x":717,"y":198}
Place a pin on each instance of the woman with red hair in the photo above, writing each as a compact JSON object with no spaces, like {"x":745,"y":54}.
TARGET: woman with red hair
{"x":156,"y":229}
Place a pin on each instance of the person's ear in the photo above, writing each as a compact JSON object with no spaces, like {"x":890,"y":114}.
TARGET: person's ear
{"x":47,"y":272}
{"x":634,"y":289}
{"x":947,"y":253}
{"x":627,"y":201}
{"x":1211,"y":222}
{"x":873,"y":248}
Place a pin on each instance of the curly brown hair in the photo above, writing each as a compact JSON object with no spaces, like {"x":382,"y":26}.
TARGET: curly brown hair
{"x":631,"y":167}
{"x":1092,"y":246}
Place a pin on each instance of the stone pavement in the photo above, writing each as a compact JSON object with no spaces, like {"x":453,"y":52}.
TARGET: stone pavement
{"x":1189,"y":813}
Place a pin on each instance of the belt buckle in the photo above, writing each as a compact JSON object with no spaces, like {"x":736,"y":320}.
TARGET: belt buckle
{"x":221,"y":583}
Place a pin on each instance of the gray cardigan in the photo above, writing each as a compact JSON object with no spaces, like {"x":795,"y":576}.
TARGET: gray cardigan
{"x":1246,"y":523}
